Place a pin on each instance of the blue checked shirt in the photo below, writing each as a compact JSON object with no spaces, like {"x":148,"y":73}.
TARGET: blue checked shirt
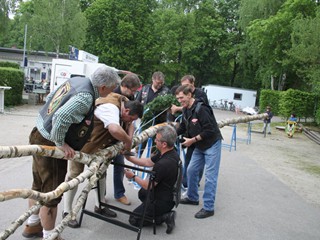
{"x":73,"y":111}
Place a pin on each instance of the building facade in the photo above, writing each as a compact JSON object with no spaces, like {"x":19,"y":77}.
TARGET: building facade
{"x":37,"y":66}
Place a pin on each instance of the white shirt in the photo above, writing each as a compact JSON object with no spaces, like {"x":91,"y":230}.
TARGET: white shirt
{"x":108,"y":113}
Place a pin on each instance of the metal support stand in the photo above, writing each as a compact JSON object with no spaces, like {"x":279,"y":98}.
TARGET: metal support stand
{"x":233,"y":142}
{"x":117,"y":222}
{"x":248,"y":139}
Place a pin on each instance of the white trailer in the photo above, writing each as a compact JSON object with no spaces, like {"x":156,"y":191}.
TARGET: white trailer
{"x":63,"y":69}
{"x":241,"y":98}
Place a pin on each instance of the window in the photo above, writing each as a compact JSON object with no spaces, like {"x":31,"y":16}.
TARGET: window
{"x":237,"y":96}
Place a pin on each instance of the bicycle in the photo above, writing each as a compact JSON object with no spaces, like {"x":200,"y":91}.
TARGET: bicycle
{"x":232,"y":107}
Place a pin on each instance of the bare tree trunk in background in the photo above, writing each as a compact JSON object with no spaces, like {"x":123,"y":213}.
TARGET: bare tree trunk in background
{"x":272,"y":82}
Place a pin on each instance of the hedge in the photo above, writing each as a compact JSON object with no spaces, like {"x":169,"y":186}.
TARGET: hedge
{"x":13,"y":78}
{"x":284,"y":103}
{"x":9,"y":65}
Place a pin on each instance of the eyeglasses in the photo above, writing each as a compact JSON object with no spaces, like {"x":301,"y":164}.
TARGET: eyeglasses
{"x":158,"y":140}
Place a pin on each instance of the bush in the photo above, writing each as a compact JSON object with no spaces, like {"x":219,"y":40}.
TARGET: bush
{"x":298,"y":102}
{"x":13,"y":78}
{"x":269,"y":98}
{"x":9,"y":65}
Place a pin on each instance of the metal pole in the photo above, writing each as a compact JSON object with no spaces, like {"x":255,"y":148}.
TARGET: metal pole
{"x":25,"y":43}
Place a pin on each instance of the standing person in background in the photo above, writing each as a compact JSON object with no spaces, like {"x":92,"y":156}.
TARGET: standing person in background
{"x":67,"y":112}
{"x":148,"y":93}
{"x":128,"y":87}
{"x":199,"y":95}
{"x":201,"y":129}
{"x":267,"y":120}
{"x":153,"y":90}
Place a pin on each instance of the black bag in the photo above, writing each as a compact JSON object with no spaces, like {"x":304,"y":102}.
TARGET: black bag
{"x":78,"y":134}
{"x":177,"y":186}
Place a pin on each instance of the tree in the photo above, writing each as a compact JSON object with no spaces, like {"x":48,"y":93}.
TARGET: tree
{"x":270,"y":41}
{"x":305,"y":52}
{"x":121,"y":33}
{"x":6,"y":7}
{"x":56,"y":24}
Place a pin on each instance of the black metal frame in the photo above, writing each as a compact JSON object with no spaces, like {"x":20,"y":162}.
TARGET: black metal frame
{"x":117,"y":222}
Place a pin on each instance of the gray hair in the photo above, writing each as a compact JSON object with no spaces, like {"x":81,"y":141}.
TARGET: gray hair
{"x":168,"y":135}
{"x":105,"y":76}
{"x":158,"y":76}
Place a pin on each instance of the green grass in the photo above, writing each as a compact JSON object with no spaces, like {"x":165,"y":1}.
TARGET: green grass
{"x":311,"y":168}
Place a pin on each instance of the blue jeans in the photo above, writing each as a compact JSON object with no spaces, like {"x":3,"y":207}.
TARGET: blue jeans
{"x":210,"y":159}
{"x":118,"y":173}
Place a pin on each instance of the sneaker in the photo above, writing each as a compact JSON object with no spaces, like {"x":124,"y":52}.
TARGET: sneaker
{"x":33,"y":231}
{"x":73,"y":223}
{"x":57,"y":238}
{"x":124,"y":200}
{"x":188,"y":201}
{"x":204,"y":213}
{"x":105,"y":212}
{"x":269,"y":133}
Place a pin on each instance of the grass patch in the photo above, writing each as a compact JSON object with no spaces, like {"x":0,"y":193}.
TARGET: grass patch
{"x":311,"y":168}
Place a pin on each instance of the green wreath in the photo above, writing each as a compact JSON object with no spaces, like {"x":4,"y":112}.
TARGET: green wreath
{"x":158,"y":105}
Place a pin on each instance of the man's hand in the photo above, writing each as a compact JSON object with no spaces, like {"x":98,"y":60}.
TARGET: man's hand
{"x":68,"y":151}
{"x":188,"y":142}
{"x":129,"y":174}
{"x":175,"y":108}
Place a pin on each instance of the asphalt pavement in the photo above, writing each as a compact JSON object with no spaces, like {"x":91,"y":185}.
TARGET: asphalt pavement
{"x":251,"y":203}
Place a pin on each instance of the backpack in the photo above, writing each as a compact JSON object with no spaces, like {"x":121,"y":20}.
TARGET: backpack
{"x":177,"y":186}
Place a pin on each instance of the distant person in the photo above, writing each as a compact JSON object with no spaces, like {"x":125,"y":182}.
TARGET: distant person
{"x":67,"y":112}
{"x":267,"y":120}
{"x":200,"y":128}
{"x":165,"y":165}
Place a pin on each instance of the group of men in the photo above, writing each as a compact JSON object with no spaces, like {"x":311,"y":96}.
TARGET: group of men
{"x":91,"y":114}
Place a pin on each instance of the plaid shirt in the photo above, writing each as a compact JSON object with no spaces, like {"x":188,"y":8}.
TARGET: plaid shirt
{"x":73,"y":111}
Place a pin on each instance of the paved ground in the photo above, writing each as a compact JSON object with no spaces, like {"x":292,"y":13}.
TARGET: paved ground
{"x":251,"y":203}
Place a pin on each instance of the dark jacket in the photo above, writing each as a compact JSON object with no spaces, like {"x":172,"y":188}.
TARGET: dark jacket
{"x":206,"y":125}
{"x":144,"y":95}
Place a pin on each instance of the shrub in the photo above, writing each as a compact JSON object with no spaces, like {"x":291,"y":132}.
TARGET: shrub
{"x":13,"y":78}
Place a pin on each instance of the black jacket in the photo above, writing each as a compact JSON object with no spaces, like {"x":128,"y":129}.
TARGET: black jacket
{"x":206,"y":125}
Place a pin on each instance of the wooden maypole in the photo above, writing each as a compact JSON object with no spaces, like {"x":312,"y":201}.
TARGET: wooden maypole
{"x":97,"y":165}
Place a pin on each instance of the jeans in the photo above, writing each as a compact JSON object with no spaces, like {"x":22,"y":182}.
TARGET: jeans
{"x":267,"y":128}
{"x":118,"y":174}
{"x":185,"y":167}
{"x":210,"y":159}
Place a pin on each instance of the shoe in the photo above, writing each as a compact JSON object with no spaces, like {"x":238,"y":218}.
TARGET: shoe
{"x":124,"y":200}
{"x":57,"y":238}
{"x":204,"y":214}
{"x":105,"y":212}
{"x":269,"y":133}
{"x":73,"y":223}
{"x":32,"y":231}
{"x":170,"y":221}
{"x":188,"y":201}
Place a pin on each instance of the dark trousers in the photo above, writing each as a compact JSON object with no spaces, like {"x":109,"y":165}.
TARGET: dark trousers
{"x":159,"y":207}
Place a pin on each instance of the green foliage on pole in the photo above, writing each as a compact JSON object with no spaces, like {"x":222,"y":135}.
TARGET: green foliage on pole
{"x":13,"y":78}
{"x":158,"y":105}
